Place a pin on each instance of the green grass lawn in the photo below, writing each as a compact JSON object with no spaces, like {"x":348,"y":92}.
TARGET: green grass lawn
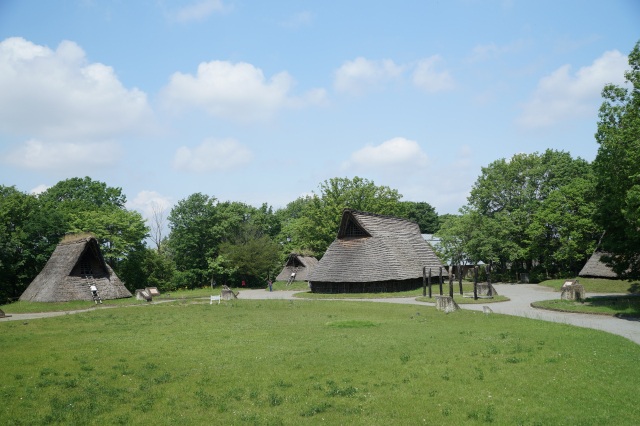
{"x":467,"y":288}
{"x":598,"y":285}
{"x":279,"y":362}
{"x":621,"y":306}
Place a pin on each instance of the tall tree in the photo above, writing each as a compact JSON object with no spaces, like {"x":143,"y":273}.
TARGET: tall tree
{"x":200,"y":225}
{"x":617,"y":168}
{"x":193,"y":238}
{"x":423,"y":214}
{"x":28,"y":236}
{"x":517,"y":201}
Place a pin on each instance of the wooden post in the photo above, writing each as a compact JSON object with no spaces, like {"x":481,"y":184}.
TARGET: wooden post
{"x":440,"y":280}
{"x":424,"y":281}
{"x":475,"y":282}
{"x":460,"y":278}
{"x":489,"y":288}
{"x":429,"y":283}
{"x":451,"y":280}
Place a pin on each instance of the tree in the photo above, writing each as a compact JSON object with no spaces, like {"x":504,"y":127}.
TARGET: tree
{"x":423,"y":214}
{"x":28,"y":236}
{"x":84,"y":194}
{"x":252,"y":255}
{"x":617,"y":169}
{"x":519,"y":203}
{"x":200,"y":226}
{"x":193,"y":238}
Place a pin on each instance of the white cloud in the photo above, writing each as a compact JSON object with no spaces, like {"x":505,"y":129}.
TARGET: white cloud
{"x":212,"y":155}
{"x":391,"y":156}
{"x":361,"y":74}
{"x":237,"y":91}
{"x":429,"y":78}
{"x":39,"y":189}
{"x":564,"y":96}
{"x":56,"y":156}
{"x":199,"y":11}
{"x":146,"y":201}
{"x":57,"y":95}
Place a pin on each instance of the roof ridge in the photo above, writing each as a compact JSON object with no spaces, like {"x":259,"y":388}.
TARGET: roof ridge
{"x":385,"y":216}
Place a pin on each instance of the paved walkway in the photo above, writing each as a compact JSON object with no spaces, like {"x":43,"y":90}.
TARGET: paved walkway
{"x":521,"y":295}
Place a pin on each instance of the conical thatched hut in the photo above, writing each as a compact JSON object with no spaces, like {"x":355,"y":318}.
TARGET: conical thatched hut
{"x":74,"y":265}
{"x":374,"y":253}
{"x":299,"y":265}
{"x":596,"y":268}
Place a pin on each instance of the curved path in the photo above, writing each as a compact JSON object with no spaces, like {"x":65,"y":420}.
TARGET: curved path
{"x":521,"y":296}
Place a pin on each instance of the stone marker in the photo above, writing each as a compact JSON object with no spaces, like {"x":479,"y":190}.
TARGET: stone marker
{"x":446,"y":304}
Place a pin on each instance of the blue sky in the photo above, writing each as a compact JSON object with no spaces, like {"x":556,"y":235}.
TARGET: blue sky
{"x":258,"y":101}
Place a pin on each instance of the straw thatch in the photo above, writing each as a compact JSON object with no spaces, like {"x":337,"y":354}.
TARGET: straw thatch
{"x":298,"y":264}
{"x":374,"y":253}
{"x":74,"y":264}
{"x":596,"y":268}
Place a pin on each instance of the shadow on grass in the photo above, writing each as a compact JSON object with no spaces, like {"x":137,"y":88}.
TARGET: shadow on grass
{"x":629,"y":304}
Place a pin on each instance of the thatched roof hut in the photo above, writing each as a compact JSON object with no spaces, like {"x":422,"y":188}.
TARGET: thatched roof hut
{"x":374,"y":253}
{"x":596,"y":268}
{"x":75,"y":264}
{"x":299,"y":265}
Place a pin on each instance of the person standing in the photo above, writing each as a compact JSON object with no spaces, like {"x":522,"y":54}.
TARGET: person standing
{"x":270,"y":285}
{"x":94,"y":293}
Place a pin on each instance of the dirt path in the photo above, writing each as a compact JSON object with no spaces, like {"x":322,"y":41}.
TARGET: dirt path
{"x":521,"y":295}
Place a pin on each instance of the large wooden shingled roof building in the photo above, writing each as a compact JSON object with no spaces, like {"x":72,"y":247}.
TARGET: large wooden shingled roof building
{"x":75,"y":264}
{"x":374,"y":253}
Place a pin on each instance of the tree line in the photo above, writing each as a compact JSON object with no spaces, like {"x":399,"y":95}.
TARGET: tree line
{"x":543,"y":213}
{"x":209,"y":241}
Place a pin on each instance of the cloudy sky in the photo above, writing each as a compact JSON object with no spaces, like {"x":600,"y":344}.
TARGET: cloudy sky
{"x":260,"y":101}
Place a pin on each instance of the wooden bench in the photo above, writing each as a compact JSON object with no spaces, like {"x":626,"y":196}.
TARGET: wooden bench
{"x":214,"y":298}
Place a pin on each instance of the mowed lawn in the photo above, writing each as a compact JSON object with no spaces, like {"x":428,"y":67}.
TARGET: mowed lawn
{"x":308,"y":362}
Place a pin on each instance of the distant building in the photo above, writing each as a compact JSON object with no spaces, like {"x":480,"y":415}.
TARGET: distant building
{"x":299,"y":265}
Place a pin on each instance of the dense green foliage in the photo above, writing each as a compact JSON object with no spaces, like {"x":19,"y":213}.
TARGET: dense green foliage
{"x":617,"y":167}
{"x":309,"y":362}
{"x":224,"y":242}
{"x":28,"y":236}
{"x":533,"y":212}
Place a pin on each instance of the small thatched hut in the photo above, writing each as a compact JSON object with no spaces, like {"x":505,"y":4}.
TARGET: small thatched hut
{"x":299,"y":265}
{"x":596,"y":268}
{"x":75,"y":264}
{"x":374,"y":253}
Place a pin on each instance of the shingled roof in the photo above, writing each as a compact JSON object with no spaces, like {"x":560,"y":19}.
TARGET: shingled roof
{"x":65,"y":276}
{"x":373,"y":248}
{"x":596,"y":268}
{"x":298,"y":264}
